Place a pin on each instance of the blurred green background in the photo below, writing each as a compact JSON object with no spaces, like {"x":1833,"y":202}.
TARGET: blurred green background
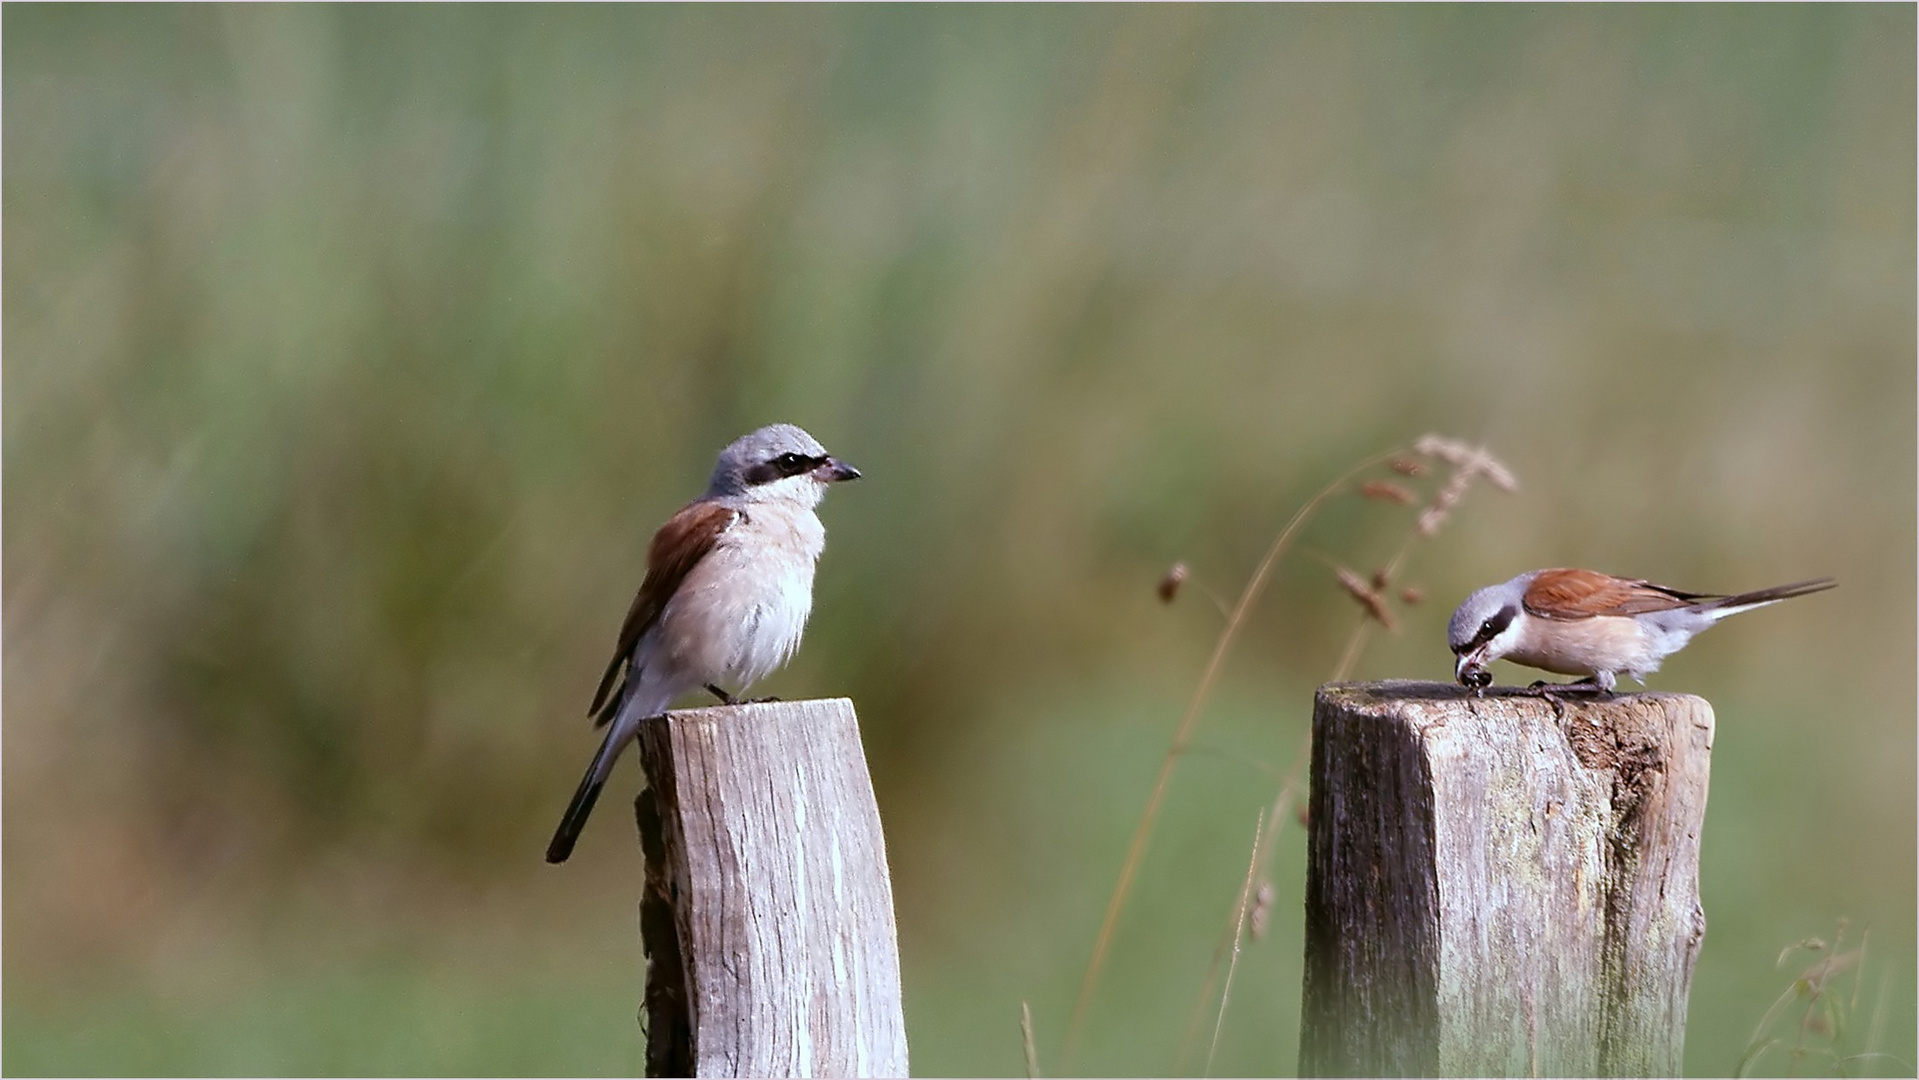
{"x":353,"y":354}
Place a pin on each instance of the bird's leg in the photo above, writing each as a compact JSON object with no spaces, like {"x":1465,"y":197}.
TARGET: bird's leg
{"x":1590,"y":686}
{"x":1549,"y":693}
{"x":729,"y":699}
{"x":1587,"y":685}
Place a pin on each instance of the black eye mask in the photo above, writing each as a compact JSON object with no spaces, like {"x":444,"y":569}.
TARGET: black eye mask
{"x":1494,"y":626}
{"x":787,"y":464}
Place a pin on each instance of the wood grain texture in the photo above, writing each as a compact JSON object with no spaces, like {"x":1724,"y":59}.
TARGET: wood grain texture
{"x":1499,"y":885}
{"x":767,"y":863}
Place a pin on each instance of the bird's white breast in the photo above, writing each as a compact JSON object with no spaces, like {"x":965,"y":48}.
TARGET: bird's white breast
{"x":740,"y":613}
{"x":1584,"y":646}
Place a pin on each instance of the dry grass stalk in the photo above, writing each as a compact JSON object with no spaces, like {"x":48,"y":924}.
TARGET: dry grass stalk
{"x":1468,"y":463}
{"x":1859,"y":973}
{"x":1026,"y":1041}
{"x":1876,"y":1030}
{"x":1239,"y":930}
{"x":1474,"y":460}
{"x":1182,"y":736}
{"x":1825,"y":1010}
{"x":1262,"y":856}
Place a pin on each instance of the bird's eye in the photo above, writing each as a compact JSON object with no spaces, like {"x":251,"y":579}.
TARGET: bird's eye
{"x":1496,"y":623}
{"x":790,"y":462}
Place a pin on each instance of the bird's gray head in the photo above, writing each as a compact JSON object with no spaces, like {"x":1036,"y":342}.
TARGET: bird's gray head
{"x":779,"y":461}
{"x":1483,"y":629}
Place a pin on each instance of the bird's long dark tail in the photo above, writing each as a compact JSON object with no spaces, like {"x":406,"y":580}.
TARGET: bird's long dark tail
{"x":1733,"y":605}
{"x":581,"y":807}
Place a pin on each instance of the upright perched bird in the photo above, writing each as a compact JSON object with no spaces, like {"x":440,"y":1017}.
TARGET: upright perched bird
{"x":729,"y":584}
{"x":1581,"y":622}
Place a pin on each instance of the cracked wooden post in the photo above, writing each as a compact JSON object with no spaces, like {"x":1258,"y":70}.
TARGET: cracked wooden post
{"x":768,"y":912}
{"x":1501,"y":886}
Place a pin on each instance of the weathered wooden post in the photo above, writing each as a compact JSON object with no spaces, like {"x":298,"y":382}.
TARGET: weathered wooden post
{"x":1502,"y":885}
{"x":768,"y":910}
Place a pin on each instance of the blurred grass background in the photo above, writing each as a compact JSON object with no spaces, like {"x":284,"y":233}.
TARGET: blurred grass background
{"x":353,"y":353}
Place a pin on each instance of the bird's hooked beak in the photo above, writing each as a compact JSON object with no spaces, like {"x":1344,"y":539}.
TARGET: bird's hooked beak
{"x":833,"y":470}
{"x":1470,"y":669}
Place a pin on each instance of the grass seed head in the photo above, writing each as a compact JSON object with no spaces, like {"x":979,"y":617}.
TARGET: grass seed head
{"x":1169,"y":585}
{"x":1387,"y":491}
{"x":1368,"y":598}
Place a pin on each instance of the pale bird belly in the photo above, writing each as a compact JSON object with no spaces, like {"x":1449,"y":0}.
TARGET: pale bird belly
{"x":1585,"y":647}
{"x":734,"y":620}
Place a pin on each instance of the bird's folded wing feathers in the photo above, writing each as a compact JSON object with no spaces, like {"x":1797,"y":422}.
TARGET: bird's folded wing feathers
{"x":1582,"y":594}
{"x":677,"y":548}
